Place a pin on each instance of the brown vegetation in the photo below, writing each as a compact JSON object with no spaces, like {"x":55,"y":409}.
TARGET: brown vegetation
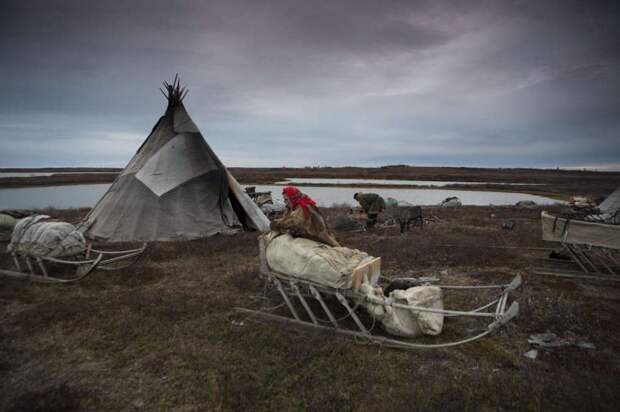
{"x":57,"y":180}
{"x":163,"y":336}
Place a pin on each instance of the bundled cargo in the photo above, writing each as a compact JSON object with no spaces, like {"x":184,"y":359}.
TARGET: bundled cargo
{"x":39,"y":240}
{"x":326,"y":281}
{"x":40,"y":236}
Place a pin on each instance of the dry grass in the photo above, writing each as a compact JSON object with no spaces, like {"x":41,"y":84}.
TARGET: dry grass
{"x":163,"y":336}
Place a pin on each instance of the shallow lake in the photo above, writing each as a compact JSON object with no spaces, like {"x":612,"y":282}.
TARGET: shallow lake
{"x":383,"y":182}
{"x":69,"y":196}
{"x":60,"y":197}
{"x":327,"y":196}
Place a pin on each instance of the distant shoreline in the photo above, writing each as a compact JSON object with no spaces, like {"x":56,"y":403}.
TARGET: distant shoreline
{"x":60,"y":169}
{"x":558,"y":184}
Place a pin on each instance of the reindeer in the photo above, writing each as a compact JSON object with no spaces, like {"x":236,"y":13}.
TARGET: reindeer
{"x":407,"y":216}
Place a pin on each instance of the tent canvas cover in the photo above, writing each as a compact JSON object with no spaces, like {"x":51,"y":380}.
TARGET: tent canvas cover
{"x":174,"y":188}
{"x":612,"y":203}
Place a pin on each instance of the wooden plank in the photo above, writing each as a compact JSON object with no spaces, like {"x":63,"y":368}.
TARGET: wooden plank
{"x":370,"y":270}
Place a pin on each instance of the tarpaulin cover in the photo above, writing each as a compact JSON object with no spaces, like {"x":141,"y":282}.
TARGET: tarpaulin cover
{"x":314,"y":261}
{"x":612,"y":203}
{"x":174,"y":188}
{"x":39,"y":237}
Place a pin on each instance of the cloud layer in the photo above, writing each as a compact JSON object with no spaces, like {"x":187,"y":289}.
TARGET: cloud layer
{"x":480,"y":83}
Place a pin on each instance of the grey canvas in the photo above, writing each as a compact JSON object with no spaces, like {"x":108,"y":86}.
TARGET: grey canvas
{"x":612,"y":203}
{"x":174,"y":188}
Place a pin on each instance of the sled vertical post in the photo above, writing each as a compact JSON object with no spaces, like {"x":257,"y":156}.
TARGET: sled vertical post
{"x":286,"y":299}
{"x":575,"y":257}
{"x":42,"y":266}
{"x":358,"y":322}
{"x":318,"y":297}
{"x":16,"y":261}
{"x":602,"y":258}
{"x":29,"y":264}
{"x":586,"y":258}
{"x":303,"y":302}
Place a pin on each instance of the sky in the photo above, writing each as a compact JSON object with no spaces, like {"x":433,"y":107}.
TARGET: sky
{"x":315,"y":83}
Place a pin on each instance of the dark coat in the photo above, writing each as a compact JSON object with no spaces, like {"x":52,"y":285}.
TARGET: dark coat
{"x":372,"y":203}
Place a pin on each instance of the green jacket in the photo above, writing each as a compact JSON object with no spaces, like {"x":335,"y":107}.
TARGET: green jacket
{"x":371,"y":202}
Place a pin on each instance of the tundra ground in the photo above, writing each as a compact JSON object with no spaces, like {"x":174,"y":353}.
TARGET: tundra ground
{"x":162,"y":335}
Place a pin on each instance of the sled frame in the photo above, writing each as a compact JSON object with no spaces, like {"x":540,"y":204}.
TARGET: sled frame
{"x":293,"y":290}
{"x":594,"y":263}
{"x":34,"y":268}
{"x":593,"y":260}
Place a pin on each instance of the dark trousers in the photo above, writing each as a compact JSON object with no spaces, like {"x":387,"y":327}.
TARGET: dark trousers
{"x":372,"y":220}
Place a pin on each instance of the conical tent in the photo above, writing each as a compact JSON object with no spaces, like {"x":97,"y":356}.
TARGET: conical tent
{"x":174,"y":188}
{"x":612,"y":203}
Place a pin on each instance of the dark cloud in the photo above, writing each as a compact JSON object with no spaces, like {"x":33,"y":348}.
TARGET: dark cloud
{"x":352,"y":82}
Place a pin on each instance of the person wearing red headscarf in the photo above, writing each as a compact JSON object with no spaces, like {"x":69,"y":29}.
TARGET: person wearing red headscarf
{"x":304,"y":218}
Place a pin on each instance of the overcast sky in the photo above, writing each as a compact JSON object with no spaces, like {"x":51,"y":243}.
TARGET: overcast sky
{"x":295,"y":83}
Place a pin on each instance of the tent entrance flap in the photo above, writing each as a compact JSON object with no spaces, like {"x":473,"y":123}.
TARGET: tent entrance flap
{"x":238,"y":209}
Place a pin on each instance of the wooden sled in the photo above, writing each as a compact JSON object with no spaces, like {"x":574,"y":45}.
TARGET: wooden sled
{"x":593,"y":247}
{"x":85,"y":264}
{"x":293,"y":290}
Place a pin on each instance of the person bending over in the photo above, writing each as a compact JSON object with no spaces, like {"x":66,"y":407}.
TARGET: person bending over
{"x":373,"y":204}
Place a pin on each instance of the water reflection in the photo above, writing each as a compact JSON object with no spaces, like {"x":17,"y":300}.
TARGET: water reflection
{"x":68,"y":196}
{"x":60,"y":197}
{"x":327,"y":196}
{"x":382,"y":182}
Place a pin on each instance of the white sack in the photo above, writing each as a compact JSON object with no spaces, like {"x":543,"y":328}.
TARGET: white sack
{"x":36,"y":236}
{"x":314,"y":261}
{"x":405,"y":322}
